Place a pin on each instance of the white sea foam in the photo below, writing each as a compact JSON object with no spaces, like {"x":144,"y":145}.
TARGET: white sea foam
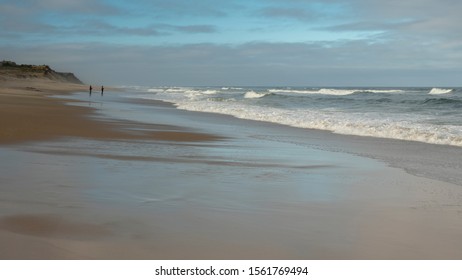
{"x":252,"y":94}
{"x":326,"y":91}
{"x":338,"y":122}
{"x":177,"y":89}
{"x":383,"y":90}
{"x":331,"y":91}
{"x":293,"y":91}
{"x":440,"y":90}
{"x":376,"y":123}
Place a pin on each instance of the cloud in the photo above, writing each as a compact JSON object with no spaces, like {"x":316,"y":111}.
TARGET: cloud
{"x":288,"y":13}
{"x":194,"y":28}
{"x":330,"y":42}
{"x":75,"y":6}
{"x":305,"y":11}
{"x":185,"y":8}
{"x":416,"y":19}
{"x":36,"y":9}
{"x":439,"y":18}
{"x":21,"y":18}
{"x":101,"y":28}
{"x":368,"y":26}
{"x":84,"y":20}
{"x":344,"y":63}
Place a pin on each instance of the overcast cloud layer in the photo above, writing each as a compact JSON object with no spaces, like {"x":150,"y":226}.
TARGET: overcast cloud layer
{"x":250,"y":42}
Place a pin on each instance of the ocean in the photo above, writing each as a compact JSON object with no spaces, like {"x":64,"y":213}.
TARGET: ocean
{"x":430,"y":115}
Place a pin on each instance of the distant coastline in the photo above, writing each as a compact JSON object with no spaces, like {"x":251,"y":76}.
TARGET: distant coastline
{"x":11,"y":70}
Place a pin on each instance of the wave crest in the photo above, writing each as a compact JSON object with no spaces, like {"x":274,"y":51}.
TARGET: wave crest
{"x":440,"y":90}
{"x":332,"y":91}
{"x":252,"y":95}
{"x":325,"y":91}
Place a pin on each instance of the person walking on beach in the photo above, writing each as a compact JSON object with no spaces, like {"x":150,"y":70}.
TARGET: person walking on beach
{"x":90,"y":89}
{"x":102,"y":90}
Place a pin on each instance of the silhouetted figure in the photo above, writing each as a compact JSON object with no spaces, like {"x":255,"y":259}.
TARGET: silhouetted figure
{"x":90,"y":89}
{"x":102,"y":90}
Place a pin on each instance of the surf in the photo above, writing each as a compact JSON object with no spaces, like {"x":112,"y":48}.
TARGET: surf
{"x":437,"y":91}
{"x":397,"y":113}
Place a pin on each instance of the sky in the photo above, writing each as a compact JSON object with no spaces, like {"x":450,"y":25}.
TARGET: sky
{"x":239,"y":42}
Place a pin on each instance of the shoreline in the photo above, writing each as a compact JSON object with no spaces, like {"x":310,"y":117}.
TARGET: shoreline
{"x":385,"y":150}
{"x":149,"y":181}
{"x":29,"y":114}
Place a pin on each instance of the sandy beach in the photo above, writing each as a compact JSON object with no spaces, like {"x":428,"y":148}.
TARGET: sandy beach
{"x":107,"y":177}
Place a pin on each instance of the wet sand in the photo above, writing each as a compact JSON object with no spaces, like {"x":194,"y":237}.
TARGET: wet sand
{"x":112,"y":178}
{"x":27,"y":115}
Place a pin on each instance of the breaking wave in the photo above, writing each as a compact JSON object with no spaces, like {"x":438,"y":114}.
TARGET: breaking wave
{"x":440,"y":90}
{"x":404,"y":113}
{"x":332,"y":91}
{"x":252,"y":94}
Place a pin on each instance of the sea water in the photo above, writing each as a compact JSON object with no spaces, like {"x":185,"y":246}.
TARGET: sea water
{"x":431,"y":115}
